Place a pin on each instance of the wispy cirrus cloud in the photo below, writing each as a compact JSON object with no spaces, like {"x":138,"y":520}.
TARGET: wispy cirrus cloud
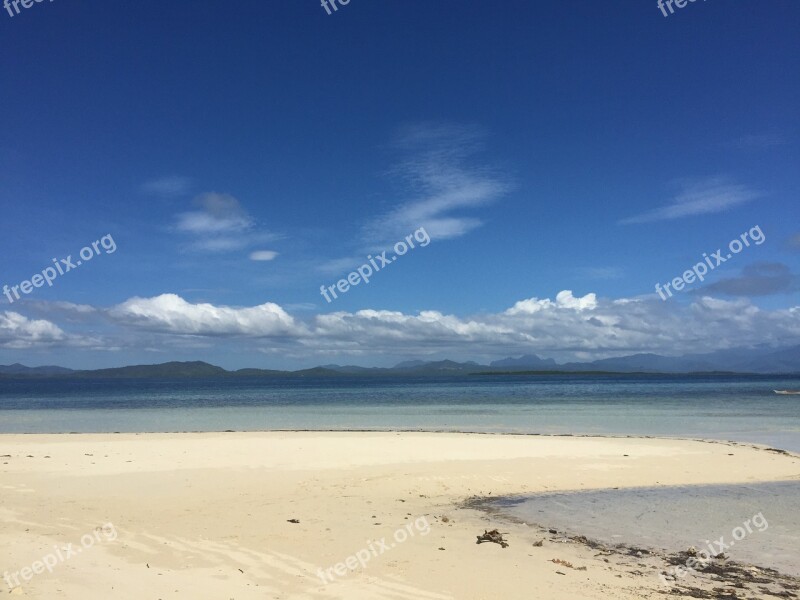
{"x":758,"y":279}
{"x":263,"y":255}
{"x":221,"y":224}
{"x":217,"y":213}
{"x":759,"y":141}
{"x":601,"y":272}
{"x":709,"y":196}
{"x":168,"y":187}
{"x":443,"y":184}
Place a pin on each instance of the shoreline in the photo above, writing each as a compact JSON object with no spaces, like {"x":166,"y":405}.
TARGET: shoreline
{"x":706,"y":576}
{"x":737,"y":443}
{"x":246,"y":514}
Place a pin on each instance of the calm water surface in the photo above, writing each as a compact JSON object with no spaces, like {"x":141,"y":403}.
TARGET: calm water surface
{"x":732,"y":408}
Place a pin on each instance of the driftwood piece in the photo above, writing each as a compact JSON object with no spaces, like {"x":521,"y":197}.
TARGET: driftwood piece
{"x":493,"y":536}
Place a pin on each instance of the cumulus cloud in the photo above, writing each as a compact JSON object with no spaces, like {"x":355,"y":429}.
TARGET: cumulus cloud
{"x":564,"y":299}
{"x":18,"y":331}
{"x":705,"y":197}
{"x":566,"y":327}
{"x":169,"y":313}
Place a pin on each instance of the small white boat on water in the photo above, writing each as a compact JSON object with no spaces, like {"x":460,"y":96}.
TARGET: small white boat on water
{"x":787,"y":392}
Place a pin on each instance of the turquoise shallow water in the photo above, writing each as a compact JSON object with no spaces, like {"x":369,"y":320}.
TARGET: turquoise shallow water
{"x":731,"y":408}
{"x":674,"y":518}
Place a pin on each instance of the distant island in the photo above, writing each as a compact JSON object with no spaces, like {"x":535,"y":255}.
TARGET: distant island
{"x":784,"y":361}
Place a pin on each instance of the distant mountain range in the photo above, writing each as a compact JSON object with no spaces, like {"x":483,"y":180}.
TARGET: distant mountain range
{"x":18,"y":369}
{"x":758,"y":361}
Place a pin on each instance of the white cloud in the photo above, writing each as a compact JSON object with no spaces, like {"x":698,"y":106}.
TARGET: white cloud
{"x":564,"y":299}
{"x":263,"y":255}
{"x":706,"y":197}
{"x":18,"y":331}
{"x":566,"y":328}
{"x":169,"y":313}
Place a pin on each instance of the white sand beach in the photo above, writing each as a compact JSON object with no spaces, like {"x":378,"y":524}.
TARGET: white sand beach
{"x":207,"y":515}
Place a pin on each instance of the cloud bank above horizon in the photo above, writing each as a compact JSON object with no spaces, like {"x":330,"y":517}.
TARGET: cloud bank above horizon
{"x":568,"y":327}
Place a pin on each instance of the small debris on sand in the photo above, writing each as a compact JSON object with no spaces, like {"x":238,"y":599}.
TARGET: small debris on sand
{"x":293,"y":521}
{"x":567,"y":564}
{"x":493,"y":536}
{"x":778,"y":451}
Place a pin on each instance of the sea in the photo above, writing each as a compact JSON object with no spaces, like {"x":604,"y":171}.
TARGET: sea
{"x":738,"y":408}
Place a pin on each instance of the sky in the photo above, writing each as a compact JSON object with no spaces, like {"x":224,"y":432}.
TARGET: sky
{"x":552,"y":163}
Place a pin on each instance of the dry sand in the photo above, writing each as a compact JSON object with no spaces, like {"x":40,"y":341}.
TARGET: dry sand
{"x":206,"y":515}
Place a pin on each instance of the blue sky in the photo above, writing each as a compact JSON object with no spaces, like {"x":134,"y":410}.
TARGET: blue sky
{"x":563,"y":157}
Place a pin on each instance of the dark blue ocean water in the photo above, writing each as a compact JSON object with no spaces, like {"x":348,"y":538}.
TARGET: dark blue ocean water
{"x":719,"y":407}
